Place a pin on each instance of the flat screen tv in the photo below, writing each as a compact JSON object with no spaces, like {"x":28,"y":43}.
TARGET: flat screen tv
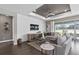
{"x":34,"y":27}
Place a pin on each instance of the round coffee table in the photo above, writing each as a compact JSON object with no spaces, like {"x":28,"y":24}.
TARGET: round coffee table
{"x":47,"y":48}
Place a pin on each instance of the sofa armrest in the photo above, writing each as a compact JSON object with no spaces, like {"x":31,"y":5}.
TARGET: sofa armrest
{"x":57,"y":45}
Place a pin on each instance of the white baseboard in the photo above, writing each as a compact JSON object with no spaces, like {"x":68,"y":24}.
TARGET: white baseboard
{"x":6,"y":41}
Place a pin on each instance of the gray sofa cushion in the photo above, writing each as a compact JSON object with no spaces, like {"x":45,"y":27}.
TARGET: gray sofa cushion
{"x":61,"y":40}
{"x":64,"y":50}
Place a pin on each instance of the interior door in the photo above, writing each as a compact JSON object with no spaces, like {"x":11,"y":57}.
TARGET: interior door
{"x":5,"y":27}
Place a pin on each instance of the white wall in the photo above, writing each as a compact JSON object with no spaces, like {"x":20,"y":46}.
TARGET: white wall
{"x":74,"y":8}
{"x":23,"y":25}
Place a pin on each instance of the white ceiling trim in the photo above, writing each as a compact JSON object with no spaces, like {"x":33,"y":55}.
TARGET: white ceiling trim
{"x":24,"y":9}
{"x":36,"y":15}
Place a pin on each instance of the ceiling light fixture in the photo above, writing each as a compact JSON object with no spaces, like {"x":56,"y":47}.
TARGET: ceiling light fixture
{"x":51,"y":13}
{"x":65,"y":10}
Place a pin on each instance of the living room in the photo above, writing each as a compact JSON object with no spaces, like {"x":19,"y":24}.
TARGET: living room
{"x":35,"y":25}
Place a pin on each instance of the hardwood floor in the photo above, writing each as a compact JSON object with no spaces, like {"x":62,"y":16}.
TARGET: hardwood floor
{"x":75,"y":48}
{"x":24,"y":49}
{"x":9,"y":49}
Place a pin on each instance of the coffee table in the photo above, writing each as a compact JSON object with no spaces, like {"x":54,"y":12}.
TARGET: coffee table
{"x":47,"y":48}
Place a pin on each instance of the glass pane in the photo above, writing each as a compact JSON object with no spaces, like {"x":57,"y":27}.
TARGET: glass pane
{"x":68,"y":27}
{"x":77,"y":31}
{"x":65,"y":27}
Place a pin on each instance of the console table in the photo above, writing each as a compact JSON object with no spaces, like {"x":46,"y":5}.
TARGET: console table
{"x":32,"y":36}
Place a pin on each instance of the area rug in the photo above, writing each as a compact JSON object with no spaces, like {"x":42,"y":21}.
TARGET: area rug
{"x":33,"y":44}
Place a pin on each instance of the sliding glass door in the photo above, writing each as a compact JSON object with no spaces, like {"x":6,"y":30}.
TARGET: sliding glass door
{"x":77,"y":30}
{"x":68,"y":27}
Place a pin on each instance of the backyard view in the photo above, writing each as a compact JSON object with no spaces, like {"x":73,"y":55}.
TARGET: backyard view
{"x":68,"y":27}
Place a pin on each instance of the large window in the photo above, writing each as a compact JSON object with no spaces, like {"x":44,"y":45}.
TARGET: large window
{"x":68,"y":27}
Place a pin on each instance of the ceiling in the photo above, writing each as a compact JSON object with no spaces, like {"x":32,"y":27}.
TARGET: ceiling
{"x":24,"y":9}
{"x":45,"y":9}
{"x":48,"y":10}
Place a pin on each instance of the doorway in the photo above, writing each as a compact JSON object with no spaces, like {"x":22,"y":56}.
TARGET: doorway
{"x":6,"y":28}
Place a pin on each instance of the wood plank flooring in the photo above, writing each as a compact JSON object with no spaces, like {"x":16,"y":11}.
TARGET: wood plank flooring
{"x":9,"y":49}
{"x":75,"y":48}
{"x":24,"y":49}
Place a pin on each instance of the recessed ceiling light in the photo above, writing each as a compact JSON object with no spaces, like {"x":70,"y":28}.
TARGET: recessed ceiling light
{"x":56,"y":11}
{"x":65,"y":10}
{"x":53,"y":14}
{"x":6,"y":15}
